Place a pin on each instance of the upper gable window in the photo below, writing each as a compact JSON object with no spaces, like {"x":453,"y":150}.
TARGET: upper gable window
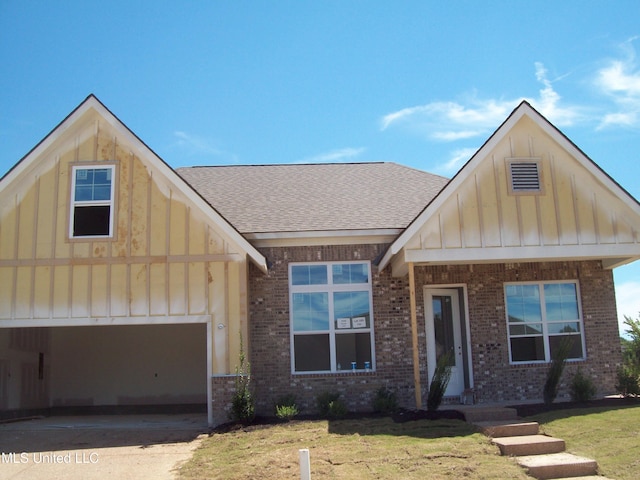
{"x":92,"y":202}
{"x":524,"y":175}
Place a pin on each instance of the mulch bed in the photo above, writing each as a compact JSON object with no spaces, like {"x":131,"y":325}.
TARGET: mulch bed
{"x":529,"y":410}
{"x":404,"y":415}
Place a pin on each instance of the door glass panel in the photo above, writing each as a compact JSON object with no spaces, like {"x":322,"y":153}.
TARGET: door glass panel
{"x":443,"y":328}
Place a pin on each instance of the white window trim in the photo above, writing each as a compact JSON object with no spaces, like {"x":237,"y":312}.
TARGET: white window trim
{"x":73,"y":203}
{"x":331,"y":288}
{"x":545,"y":322}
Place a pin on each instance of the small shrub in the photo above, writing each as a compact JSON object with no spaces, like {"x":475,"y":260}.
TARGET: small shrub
{"x":330,"y":405}
{"x":439,"y":382}
{"x":286,"y":412}
{"x":243,"y":407}
{"x":286,"y":407}
{"x":628,"y":381}
{"x":552,"y":384}
{"x":385,"y":401}
{"x":582,"y":388}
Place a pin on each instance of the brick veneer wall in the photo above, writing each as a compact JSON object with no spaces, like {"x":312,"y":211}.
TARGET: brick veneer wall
{"x":494,"y":378}
{"x":270,"y":349}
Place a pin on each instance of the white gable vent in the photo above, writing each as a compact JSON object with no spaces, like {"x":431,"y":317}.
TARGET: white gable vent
{"x":524,"y":175}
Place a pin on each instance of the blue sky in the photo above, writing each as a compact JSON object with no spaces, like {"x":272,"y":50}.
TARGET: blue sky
{"x":421,"y":83}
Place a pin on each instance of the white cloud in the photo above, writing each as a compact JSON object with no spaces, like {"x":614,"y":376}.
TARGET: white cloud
{"x":458,"y":158}
{"x":335,"y":156}
{"x":628,"y":301}
{"x":452,"y":121}
{"x":195,"y":145}
{"x":620,"y":81}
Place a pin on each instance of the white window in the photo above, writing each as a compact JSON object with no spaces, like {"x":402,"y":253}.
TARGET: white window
{"x":92,"y":202}
{"x":540,"y":317}
{"x":331,"y":317}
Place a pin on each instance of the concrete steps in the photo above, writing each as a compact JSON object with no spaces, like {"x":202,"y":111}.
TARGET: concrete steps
{"x":558,"y":465}
{"x":542,"y":456}
{"x":508,"y":429}
{"x":529,"y":445}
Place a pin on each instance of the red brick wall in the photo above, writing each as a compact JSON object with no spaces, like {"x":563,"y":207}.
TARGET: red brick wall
{"x":269,"y":335}
{"x":494,"y":378}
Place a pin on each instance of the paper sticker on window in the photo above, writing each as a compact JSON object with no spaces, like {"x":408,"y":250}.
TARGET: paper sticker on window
{"x":344,"y":322}
{"x":359,"y":322}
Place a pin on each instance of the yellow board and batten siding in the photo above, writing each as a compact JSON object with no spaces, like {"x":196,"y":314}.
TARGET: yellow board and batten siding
{"x":573,"y":209}
{"x":165,"y":259}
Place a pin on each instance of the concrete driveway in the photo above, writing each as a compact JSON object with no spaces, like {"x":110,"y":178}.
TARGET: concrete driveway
{"x":98,"y":447}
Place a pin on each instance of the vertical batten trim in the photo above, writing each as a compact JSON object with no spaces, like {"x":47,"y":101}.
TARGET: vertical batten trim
{"x":167,"y":270}
{"x":539,"y":218}
{"x":614,"y":226}
{"x":54,"y":232}
{"x":187,"y":299}
{"x":496,"y":175}
{"x":460,"y":202}
{"x":34,"y":245}
{"x":576,"y":213}
{"x":14,"y":294}
{"x":596,"y":222}
{"x":483,"y":242}
{"x":519,"y":215}
{"x":206,"y":271}
{"x":556,"y":201}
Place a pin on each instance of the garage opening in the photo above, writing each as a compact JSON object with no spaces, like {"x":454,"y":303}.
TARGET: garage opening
{"x":103,"y":369}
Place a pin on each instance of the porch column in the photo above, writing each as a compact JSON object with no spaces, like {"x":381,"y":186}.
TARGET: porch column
{"x":209,"y":373}
{"x":414,"y":336}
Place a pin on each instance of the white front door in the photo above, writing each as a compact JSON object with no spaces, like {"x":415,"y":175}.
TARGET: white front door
{"x":442,"y":307}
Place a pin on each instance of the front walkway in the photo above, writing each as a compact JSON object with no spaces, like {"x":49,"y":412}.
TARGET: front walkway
{"x":99,"y":447}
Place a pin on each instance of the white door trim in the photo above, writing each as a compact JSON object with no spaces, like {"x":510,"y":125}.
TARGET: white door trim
{"x":465,"y":339}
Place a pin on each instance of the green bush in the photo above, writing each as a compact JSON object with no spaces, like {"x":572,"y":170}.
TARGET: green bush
{"x":286,"y":412}
{"x":385,"y":401}
{"x":628,"y":381}
{"x":243,"y":407}
{"x":286,"y":407}
{"x":582,"y":388}
{"x":629,"y":373}
{"x":552,"y":384}
{"x":439,"y":382}
{"x":330,"y":405}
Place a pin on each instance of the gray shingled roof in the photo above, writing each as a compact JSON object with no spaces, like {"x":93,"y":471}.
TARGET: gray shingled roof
{"x":311,"y":197}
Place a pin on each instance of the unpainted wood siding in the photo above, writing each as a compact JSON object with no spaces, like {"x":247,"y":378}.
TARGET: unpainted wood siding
{"x":165,"y":260}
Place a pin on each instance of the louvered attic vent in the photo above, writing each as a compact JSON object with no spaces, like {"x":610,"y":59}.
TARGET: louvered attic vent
{"x":524,"y":176}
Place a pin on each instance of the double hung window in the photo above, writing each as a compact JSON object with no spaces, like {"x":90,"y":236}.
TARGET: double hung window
{"x":92,"y":202}
{"x":331,"y":317}
{"x":541,"y":317}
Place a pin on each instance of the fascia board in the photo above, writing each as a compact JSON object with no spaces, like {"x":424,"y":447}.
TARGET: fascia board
{"x":621,"y":254}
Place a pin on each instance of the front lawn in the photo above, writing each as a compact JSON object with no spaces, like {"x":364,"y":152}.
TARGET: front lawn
{"x":380,"y":448}
{"x":611,"y":436}
{"x":352,"y":448}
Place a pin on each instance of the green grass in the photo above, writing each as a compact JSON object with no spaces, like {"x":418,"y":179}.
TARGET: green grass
{"x":375,"y":448}
{"x":378,"y":448}
{"x":611,"y":436}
